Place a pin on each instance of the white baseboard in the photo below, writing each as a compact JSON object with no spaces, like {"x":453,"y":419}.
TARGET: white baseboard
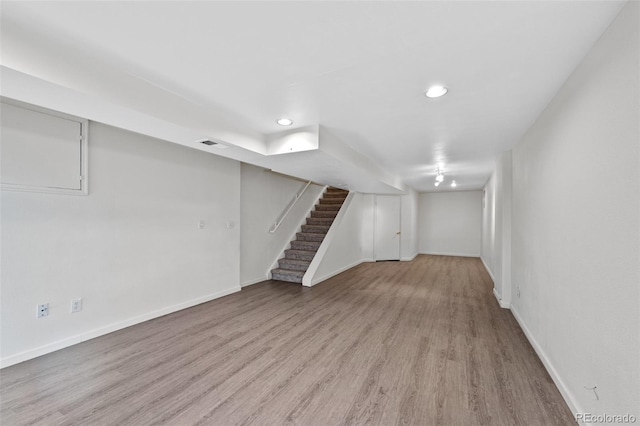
{"x":438,"y":253}
{"x":564,"y":391}
{"x":255,"y":281}
{"x":499,"y":299}
{"x":334,"y":273}
{"x":409,"y":259}
{"x":91,"y":334}
{"x":488,"y":269}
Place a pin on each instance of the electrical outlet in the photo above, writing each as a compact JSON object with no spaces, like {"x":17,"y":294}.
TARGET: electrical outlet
{"x":76,"y":305}
{"x":201,"y":224}
{"x":518,"y":292}
{"x":43,"y":310}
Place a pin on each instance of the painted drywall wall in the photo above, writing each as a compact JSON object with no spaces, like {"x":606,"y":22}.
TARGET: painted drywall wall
{"x":409,"y":225}
{"x":264,"y":196}
{"x":496,"y":228}
{"x":367,"y":224}
{"x":576,"y":230}
{"x":450,"y":223}
{"x":488,"y":247}
{"x":131,"y":249}
{"x":355,"y":243}
{"x":343,"y":247}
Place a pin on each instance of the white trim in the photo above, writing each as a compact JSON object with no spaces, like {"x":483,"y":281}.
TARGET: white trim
{"x":409,"y":259}
{"x":317,"y":280}
{"x":308,"y":278}
{"x":488,"y":269}
{"x":497,"y":296}
{"x":564,"y":390}
{"x":438,"y":253}
{"x":101,"y":331}
{"x":501,"y":301}
{"x":255,"y":281}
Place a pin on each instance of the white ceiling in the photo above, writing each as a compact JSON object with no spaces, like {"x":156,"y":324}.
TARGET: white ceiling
{"x":357,"y":69}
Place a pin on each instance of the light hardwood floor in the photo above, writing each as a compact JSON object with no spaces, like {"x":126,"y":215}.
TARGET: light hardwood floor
{"x":392,"y":343}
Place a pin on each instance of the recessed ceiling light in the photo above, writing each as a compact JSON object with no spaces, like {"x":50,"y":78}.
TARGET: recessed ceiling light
{"x":436,"y":91}
{"x":284,"y":121}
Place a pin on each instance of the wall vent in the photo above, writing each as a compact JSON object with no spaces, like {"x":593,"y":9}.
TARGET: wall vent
{"x":209,"y":142}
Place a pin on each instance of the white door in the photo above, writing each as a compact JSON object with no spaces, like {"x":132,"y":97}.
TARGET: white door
{"x":387,"y":227}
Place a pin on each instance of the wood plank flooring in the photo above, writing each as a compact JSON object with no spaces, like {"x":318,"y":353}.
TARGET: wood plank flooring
{"x":391,"y":343}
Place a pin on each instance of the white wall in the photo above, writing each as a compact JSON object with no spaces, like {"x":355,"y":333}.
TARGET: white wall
{"x":450,"y":223}
{"x":496,"y":228}
{"x":488,"y":250}
{"x":352,"y":240}
{"x":576,"y":227}
{"x":367,"y":240}
{"x":341,"y":248}
{"x":131,"y":248}
{"x":264,"y":196}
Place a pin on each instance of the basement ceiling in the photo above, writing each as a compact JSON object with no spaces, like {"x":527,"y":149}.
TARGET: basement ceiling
{"x":351,"y":73}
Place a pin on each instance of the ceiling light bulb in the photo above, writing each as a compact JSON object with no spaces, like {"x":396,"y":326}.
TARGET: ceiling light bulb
{"x":285,"y":121}
{"x":436,"y":91}
{"x":437,"y":183}
{"x":440,"y":178}
{"x":453,"y":184}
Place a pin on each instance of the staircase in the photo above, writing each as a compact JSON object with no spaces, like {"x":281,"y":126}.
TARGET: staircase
{"x":297,"y":259}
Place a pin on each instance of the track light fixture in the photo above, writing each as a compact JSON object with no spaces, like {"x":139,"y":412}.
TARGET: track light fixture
{"x":439,"y":175}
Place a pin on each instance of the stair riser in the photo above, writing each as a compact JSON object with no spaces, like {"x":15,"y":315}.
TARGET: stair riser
{"x":328,"y":207}
{"x":288,"y":278}
{"x":334,"y":196}
{"x":309,"y":237}
{"x":300,"y":256}
{"x":325,"y":221}
{"x":331,"y":201}
{"x":327,"y":214}
{"x":337,"y":190}
{"x":284,"y":264}
{"x":305,"y":245}
{"x":314,"y":229}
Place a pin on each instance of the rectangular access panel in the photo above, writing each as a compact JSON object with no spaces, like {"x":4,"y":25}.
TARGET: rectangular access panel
{"x":42,"y":150}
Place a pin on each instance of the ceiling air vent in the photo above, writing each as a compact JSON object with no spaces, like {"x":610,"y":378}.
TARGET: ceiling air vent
{"x":214,"y":144}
